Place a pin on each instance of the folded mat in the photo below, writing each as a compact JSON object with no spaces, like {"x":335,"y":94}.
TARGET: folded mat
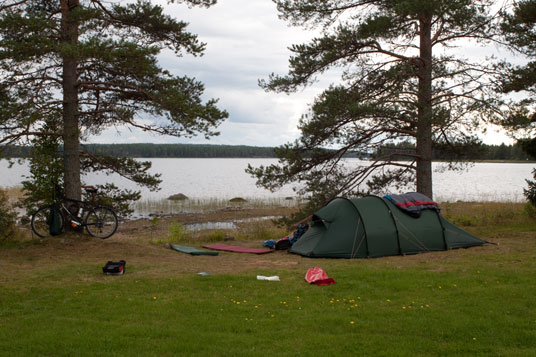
{"x":191,"y":250}
{"x":237,"y":249}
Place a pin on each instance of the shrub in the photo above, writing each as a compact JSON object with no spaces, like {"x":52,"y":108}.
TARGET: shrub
{"x":262,"y":230}
{"x":530,"y":192}
{"x":216,"y":236}
{"x":8,"y":218}
{"x":177,"y":233}
{"x":530,"y":210}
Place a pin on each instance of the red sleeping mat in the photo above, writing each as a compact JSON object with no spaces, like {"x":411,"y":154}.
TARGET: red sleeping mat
{"x":237,"y":249}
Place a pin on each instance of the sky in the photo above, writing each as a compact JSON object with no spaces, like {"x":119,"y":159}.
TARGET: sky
{"x":245,"y":41}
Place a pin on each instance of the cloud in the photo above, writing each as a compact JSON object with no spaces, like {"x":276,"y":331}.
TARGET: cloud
{"x":245,"y":41}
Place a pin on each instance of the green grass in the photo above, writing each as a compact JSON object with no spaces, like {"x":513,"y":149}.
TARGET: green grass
{"x":249,"y":231}
{"x":373,"y":310}
{"x":477,"y":301}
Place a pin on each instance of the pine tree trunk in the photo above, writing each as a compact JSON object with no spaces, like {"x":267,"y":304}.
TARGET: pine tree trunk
{"x":424,"y":125}
{"x":71,"y":135}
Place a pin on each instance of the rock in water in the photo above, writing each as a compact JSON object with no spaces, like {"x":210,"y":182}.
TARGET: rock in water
{"x":178,"y":197}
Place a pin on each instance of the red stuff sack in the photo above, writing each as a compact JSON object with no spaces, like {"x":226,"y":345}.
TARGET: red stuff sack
{"x":318,"y":276}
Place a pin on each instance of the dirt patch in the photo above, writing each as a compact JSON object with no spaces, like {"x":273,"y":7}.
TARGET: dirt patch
{"x":28,"y":262}
{"x":23,"y":264}
{"x":132,"y":243}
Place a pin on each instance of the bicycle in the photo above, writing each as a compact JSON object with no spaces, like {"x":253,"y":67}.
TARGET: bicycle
{"x":99,"y":221}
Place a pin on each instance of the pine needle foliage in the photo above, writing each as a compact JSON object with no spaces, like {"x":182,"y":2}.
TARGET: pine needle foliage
{"x":399,"y":81}
{"x":519,"y":32}
{"x":91,"y":65}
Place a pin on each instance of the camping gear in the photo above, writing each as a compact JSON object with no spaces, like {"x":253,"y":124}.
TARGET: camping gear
{"x":283,"y":244}
{"x":318,"y":276}
{"x":237,"y":249}
{"x":374,"y":227}
{"x":302,"y":228}
{"x":191,"y":250}
{"x":286,"y":242}
{"x":114,"y":268}
{"x":270,"y":243}
{"x":413,"y":203}
{"x":269,"y":278}
{"x":54,"y":222}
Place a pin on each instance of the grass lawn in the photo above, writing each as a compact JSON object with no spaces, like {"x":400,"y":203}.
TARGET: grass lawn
{"x":54,"y":299}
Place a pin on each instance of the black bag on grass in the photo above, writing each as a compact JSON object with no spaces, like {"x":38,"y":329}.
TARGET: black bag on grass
{"x":283,"y":244}
{"x":114,"y":268}
{"x":54,"y":220}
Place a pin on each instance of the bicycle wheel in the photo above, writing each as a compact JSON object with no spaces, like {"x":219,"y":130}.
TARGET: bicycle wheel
{"x":40,"y":222}
{"x":101,"y":222}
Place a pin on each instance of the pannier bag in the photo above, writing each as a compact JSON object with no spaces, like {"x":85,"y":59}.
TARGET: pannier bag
{"x":54,"y":222}
{"x":114,"y":268}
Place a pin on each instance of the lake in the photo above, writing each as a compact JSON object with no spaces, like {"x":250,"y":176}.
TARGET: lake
{"x":225,"y":179}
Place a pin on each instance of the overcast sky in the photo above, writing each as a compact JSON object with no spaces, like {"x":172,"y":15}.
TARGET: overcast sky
{"x":245,"y":41}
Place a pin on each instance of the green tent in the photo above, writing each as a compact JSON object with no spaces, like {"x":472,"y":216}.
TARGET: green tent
{"x":374,"y":227}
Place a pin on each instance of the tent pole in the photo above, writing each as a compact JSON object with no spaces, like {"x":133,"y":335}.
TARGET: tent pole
{"x":442,"y":230}
{"x":396,"y":225}
{"x":364,"y":228}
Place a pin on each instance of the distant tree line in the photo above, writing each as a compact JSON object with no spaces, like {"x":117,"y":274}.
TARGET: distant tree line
{"x":402,"y":150}
{"x":180,"y":150}
{"x":405,"y":150}
{"x":159,"y":151}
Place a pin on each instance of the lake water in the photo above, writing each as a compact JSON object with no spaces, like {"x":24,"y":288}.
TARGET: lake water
{"x":225,"y":179}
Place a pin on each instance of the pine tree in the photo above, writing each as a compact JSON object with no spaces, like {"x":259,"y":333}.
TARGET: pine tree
{"x":400,"y":81}
{"x":519,"y":30}
{"x":91,"y":65}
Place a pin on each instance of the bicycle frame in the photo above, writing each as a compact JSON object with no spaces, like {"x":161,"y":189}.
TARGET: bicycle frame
{"x":75,"y":220}
{"x":100,"y":221}
{"x":83,"y":208}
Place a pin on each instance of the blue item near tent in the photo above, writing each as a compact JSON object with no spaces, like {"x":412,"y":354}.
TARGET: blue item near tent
{"x":286,"y":242}
{"x":269,"y":243}
{"x":302,"y":228}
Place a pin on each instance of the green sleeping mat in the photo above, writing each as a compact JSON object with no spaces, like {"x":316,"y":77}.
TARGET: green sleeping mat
{"x":191,"y":250}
